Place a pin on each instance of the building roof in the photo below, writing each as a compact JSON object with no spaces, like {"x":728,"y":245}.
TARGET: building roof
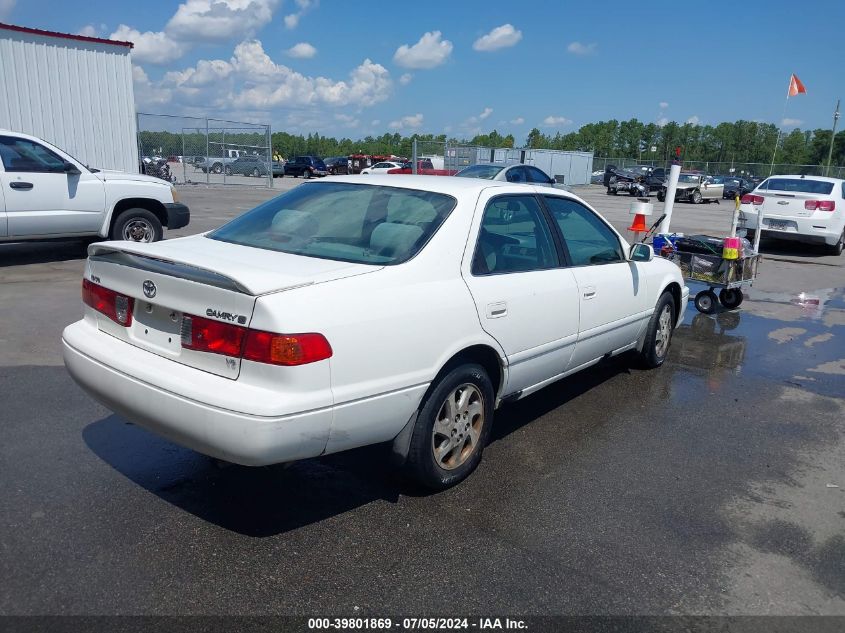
{"x":64,"y":36}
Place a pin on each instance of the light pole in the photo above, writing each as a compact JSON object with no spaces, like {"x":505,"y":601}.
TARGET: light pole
{"x":832,"y":137}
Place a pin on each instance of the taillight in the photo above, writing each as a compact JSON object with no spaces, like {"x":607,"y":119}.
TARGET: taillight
{"x":749,"y":199}
{"x":115,"y":306}
{"x":286,"y":349}
{"x":821,"y":205}
{"x":204,"y":335}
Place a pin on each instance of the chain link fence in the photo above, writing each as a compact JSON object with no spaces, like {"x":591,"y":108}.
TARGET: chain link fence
{"x":193,"y":150}
{"x":747,"y":170}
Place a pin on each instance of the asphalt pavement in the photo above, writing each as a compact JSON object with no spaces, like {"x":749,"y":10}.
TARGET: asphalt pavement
{"x":714,"y":485}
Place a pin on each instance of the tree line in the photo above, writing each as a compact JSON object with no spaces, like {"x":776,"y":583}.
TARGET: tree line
{"x":739,"y":142}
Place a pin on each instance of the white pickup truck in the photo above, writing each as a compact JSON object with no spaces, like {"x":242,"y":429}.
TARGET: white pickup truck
{"x":45,"y":193}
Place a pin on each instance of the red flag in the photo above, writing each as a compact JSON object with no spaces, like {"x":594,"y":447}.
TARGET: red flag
{"x":795,"y":86}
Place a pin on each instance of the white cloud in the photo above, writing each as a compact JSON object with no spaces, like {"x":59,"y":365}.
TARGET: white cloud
{"x":664,"y":105}
{"x":791,"y":122}
{"x":150,"y":47}
{"x":694,"y":120}
{"x":431,"y":51}
{"x":556,"y":121}
{"x":405,"y":79}
{"x":6,"y":7}
{"x":220,"y":20}
{"x":205,"y":73}
{"x":410,"y":122}
{"x":303,"y":50}
{"x":89,"y":30}
{"x":501,"y":37}
{"x":662,"y":121}
{"x":292,"y":19}
{"x":375,"y":122}
{"x":147,"y":94}
{"x":517,"y":121}
{"x":577,"y":48}
{"x":485,"y":113}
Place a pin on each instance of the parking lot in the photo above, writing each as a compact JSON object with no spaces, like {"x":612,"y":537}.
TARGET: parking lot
{"x":714,"y":485}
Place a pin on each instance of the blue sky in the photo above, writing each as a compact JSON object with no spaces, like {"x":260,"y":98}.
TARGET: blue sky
{"x":370,"y":66}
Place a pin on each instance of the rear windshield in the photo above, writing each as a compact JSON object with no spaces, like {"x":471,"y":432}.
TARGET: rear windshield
{"x":799,"y":185}
{"x":481,"y":171}
{"x":365,"y":224}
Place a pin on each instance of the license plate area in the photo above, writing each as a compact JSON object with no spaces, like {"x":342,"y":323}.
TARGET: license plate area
{"x":156,"y":326}
{"x":780,"y":225}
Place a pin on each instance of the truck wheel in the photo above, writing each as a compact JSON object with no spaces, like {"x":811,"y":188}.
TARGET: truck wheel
{"x":452,"y":427}
{"x":659,"y":332}
{"x":695,"y":198}
{"x":137,"y":225}
{"x":217,"y":168}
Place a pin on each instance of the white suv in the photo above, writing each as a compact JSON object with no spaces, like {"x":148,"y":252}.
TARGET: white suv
{"x":45,"y":193}
{"x":801,"y":208}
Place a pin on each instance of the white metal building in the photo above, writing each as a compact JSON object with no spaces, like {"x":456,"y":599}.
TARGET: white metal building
{"x":73,"y":91}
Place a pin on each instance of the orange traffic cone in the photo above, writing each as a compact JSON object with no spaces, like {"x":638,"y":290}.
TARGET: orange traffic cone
{"x":638,"y":225}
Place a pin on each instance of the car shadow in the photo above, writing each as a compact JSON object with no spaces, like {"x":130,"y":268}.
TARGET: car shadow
{"x":787,"y":248}
{"x":21,"y":253}
{"x":266,"y":501}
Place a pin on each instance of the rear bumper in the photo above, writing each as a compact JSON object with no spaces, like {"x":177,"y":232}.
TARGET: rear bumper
{"x":234,"y":436}
{"x":811,"y":230}
{"x":178,"y":215}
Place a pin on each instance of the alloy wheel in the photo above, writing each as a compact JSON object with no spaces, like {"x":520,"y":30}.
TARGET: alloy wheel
{"x":457,"y":428}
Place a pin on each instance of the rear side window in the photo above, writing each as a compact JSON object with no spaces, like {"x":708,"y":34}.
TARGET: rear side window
{"x":535,"y":175}
{"x":588,"y":239}
{"x":514,"y":237}
{"x":797,"y":185}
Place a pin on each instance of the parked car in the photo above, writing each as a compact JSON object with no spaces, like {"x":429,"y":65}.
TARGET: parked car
{"x":247,"y":166}
{"x":695,"y":188}
{"x":46,"y":193}
{"x":337,"y":165}
{"x":734,"y":186}
{"x":627,"y":179}
{"x":305,"y":166}
{"x":515,"y":172}
{"x":808,"y":209}
{"x":342,"y":313}
{"x":382,"y":168}
{"x":217,"y":164}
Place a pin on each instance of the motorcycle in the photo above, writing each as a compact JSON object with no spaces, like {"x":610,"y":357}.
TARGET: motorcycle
{"x":158,"y":168}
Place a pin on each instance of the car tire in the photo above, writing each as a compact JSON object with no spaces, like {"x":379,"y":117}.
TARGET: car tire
{"x":444,"y":450}
{"x":661,"y":196}
{"x":659,"y":333}
{"x":695,"y":197}
{"x":137,"y":225}
{"x":837,"y":248}
{"x":217,"y":168}
{"x":730,"y":298}
{"x":306,"y":174}
{"x":611,"y":192}
{"x":706,"y":302}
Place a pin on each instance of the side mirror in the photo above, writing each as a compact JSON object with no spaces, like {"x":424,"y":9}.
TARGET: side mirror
{"x":642,"y":253}
{"x":70,"y":169}
{"x":553,"y":181}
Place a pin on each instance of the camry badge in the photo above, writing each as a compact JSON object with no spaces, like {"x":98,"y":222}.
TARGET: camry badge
{"x":149,"y":289}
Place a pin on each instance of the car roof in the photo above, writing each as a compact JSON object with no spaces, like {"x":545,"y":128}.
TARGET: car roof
{"x":451,"y":185}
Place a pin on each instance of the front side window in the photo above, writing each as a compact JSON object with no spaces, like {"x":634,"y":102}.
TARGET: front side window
{"x":21,"y":155}
{"x":588,"y":239}
{"x":359,"y":223}
{"x":514,"y":237}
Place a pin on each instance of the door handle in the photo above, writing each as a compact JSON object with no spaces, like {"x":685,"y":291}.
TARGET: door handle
{"x":497,"y":310}
{"x":21,"y":185}
{"x":589,"y":292}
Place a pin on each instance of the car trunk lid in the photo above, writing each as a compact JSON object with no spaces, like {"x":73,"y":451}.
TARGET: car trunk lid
{"x":198,"y":277}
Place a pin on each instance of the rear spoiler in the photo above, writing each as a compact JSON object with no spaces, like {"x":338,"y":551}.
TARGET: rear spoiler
{"x":124,"y":257}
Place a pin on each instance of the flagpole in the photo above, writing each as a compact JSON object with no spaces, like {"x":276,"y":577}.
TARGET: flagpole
{"x":777,"y":140}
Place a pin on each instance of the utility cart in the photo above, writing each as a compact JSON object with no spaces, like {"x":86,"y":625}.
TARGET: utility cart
{"x":712,"y":270}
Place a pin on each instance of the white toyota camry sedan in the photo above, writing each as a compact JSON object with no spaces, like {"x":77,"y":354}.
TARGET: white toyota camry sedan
{"x":402,"y":309}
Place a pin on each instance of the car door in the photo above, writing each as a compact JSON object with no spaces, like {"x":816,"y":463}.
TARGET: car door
{"x":41,"y":198}
{"x":612,"y":292}
{"x":3,"y":230}
{"x":525,"y":297}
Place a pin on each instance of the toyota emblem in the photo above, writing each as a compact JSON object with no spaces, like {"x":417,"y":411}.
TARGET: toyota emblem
{"x":149,"y":289}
